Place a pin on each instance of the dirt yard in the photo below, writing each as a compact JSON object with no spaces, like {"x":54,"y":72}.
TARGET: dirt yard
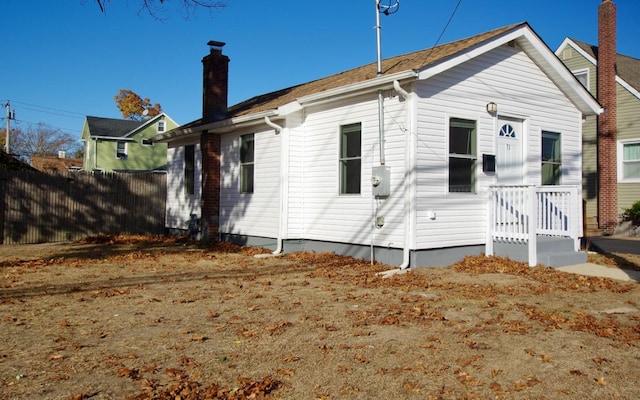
{"x":150,"y":318}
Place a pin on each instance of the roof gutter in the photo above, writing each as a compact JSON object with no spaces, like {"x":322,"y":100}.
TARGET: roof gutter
{"x":370,"y":85}
{"x":223,"y":126}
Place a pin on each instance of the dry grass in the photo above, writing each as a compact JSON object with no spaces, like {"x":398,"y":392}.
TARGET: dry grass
{"x":153,"y":318}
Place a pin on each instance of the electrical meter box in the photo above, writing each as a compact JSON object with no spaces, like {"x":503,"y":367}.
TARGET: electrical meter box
{"x":381,"y":181}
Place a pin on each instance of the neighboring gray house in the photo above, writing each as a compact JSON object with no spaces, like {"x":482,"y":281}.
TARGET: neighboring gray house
{"x":477,"y":149}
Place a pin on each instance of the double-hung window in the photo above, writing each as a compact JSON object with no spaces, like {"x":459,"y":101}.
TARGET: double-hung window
{"x":121,"y":149}
{"x":551,"y":158}
{"x":583,"y":77}
{"x":350,"y":158}
{"x":462,"y":155}
{"x":189,"y":169}
{"x":247,"y":156}
{"x":629,"y":158}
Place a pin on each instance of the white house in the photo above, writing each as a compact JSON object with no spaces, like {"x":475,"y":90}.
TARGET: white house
{"x":469,"y":147}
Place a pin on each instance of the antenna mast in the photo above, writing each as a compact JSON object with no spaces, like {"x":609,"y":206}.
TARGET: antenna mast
{"x":386,"y":10}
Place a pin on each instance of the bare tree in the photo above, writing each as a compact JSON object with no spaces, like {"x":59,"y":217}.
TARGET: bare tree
{"x":156,"y":7}
{"x":41,"y":140}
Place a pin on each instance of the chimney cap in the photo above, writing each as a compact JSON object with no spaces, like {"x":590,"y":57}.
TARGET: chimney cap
{"x":213,"y":43}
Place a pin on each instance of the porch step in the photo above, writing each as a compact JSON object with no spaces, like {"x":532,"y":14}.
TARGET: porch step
{"x":552,"y":251}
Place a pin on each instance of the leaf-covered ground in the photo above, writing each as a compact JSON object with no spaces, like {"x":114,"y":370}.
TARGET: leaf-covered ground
{"x":156,"y":318}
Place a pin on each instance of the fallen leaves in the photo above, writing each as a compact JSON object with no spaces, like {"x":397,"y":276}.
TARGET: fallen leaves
{"x":319,"y":319}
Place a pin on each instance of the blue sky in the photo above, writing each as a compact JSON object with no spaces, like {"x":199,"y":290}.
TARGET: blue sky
{"x":63,"y":60}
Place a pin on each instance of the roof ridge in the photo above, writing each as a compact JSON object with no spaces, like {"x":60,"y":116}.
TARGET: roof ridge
{"x":414,"y":60}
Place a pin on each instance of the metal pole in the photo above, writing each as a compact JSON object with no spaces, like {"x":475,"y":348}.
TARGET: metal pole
{"x":6,"y":140}
{"x":380,"y":96}
{"x":378,"y":28}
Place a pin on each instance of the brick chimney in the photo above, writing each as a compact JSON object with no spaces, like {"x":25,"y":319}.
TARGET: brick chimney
{"x":607,"y":130}
{"x":215,"y":82}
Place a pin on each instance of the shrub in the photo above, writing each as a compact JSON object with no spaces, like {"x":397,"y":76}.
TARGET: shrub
{"x":632,"y":213}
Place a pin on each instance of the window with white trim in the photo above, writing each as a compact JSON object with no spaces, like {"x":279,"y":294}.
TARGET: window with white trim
{"x":189,"y":169}
{"x":161,"y":126}
{"x":146,"y":142}
{"x":350,"y":158}
{"x":247,"y":157}
{"x":462,"y":155}
{"x":582,"y":76}
{"x":551,"y":159}
{"x":629,"y":161}
{"x":121,"y":149}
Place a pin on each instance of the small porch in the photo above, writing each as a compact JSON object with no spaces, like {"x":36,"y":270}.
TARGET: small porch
{"x":538,"y":224}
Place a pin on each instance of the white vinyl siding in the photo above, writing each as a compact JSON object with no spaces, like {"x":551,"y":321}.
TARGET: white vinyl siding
{"x":328,"y":216}
{"x":509,"y":78}
{"x":256,"y":213}
{"x":181,"y":205}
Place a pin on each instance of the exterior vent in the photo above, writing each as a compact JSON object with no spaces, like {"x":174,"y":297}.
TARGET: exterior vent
{"x":513,"y":44}
{"x":567,"y":53}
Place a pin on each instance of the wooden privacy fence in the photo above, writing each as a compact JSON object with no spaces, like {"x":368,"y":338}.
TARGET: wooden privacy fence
{"x":38,"y":207}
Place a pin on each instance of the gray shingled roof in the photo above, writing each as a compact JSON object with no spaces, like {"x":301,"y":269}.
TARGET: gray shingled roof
{"x":628,"y":68}
{"x":111,"y":127}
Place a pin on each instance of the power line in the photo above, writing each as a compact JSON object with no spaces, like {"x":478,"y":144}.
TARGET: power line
{"x":453,"y":13}
{"x":55,"y":111}
{"x":48,"y":125}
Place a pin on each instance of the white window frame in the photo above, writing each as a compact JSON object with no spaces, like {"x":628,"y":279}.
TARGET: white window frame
{"x":124,"y":153}
{"x":344,"y":159}
{"x":247,"y":168}
{"x":189,"y":170}
{"x":473,"y":156}
{"x":162,"y":126}
{"x":620,"y":157}
{"x":558,"y":136}
{"x":585,"y":72}
{"x":150,"y":142}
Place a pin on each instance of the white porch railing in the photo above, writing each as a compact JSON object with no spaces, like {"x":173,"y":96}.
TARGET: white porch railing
{"x":517,"y":214}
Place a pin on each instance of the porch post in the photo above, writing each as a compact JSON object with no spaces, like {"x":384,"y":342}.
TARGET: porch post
{"x":490,"y":222}
{"x":532,"y":202}
{"x":576,"y":216}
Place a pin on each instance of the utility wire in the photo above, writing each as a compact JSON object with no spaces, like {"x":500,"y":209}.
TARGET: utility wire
{"x":55,"y":111}
{"x":453,"y":13}
{"x":48,"y":125}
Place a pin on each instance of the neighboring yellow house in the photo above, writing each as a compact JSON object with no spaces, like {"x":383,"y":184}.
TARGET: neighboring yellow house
{"x":125,"y":145}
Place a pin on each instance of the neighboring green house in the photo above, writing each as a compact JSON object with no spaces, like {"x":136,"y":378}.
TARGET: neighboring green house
{"x":582,"y":60}
{"x":125,"y":145}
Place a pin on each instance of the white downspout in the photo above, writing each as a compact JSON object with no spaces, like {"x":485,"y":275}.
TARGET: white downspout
{"x":406,"y":251}
{"x":408,"y":185}
{"x":95,"y":154}
{"x":283,"y":166}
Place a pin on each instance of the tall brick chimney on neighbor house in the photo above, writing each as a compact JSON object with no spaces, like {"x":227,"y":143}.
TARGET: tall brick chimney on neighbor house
{"x":607,"y":130}
{"x":215,"y":83}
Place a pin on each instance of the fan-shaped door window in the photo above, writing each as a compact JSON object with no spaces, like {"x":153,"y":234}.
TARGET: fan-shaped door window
{"x":507,"y":131}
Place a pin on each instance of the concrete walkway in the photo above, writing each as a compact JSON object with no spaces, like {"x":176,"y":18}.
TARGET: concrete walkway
{"x":591,"y":269}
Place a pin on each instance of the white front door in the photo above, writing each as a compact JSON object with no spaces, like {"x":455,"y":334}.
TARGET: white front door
{"x":509,"y":164}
